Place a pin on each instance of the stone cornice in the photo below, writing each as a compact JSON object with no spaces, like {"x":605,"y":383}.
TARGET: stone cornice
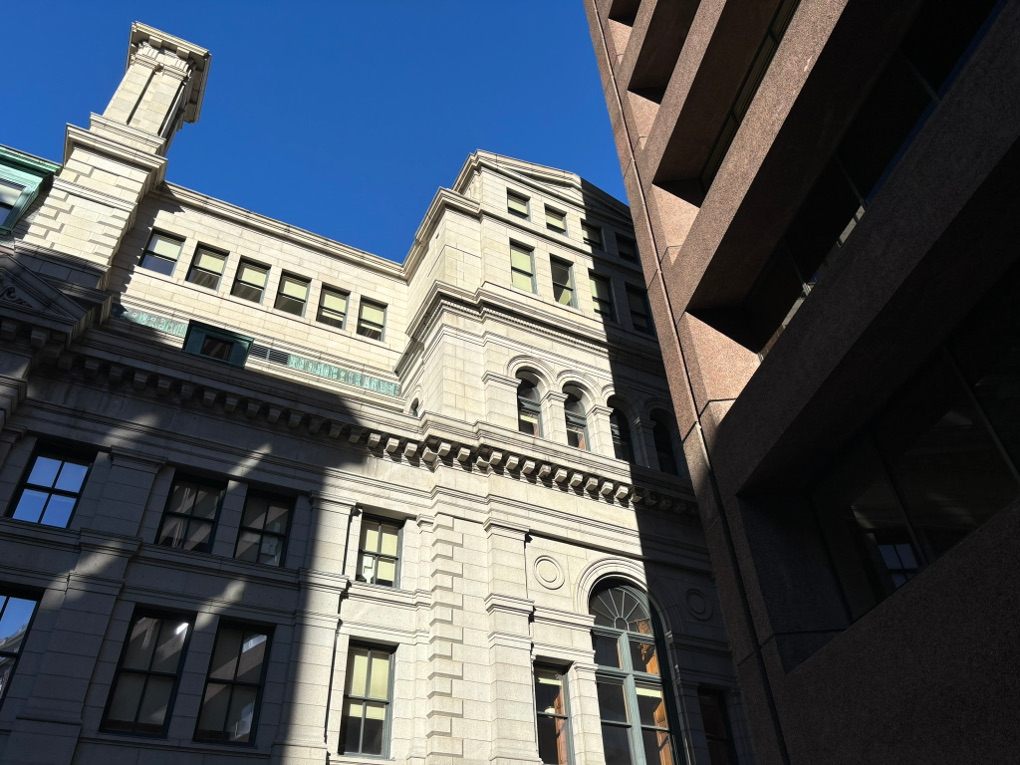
{"x":79,"y":137}
{"x":444,"y":200}
{"x":196,"y":56}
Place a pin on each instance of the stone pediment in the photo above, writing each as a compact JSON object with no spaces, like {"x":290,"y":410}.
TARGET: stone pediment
{"x":25,"y":297}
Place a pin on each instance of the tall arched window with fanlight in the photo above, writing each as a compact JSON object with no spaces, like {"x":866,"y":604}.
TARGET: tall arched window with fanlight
{"x":633,"y":684}
{"x":576,"y":418}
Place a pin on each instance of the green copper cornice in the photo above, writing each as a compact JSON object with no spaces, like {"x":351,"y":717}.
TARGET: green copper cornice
{"x":31,"y":174}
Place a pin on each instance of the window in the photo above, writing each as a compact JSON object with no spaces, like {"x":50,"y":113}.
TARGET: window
{"x":577,"y":420}
{"x":366,"y":713}
{"x":553,"y":717}
{"x":22,"y":177}
{"x":233,"y":687}
{"x":371,"y":319}
{"x":640,"y":314}
{"x":332,"y":307}
{"x":52,"y":489}
{"x":15,"y":618}
{"x":555,"y":220}
{"x":146,"y":681}
{"x":602,"y":295}
{"x":250,"y":282}
{"x":517,"y":204}
{"x":662,"y":435}
{"x":161,"y":253}
{"x":292,"y":294}
{"x":626,"y":247}
{"x":522,"y":267}
{"x":191,"y":513}
{"x":623,"y":448}
{"x":632,"y":696}
{"x":563,"y":282}
{"x":264,"y":525}
{"x":207,"y":268}
{"x":717,"y":726}
{"x":10,"y":193}
{"x":591,"y":234}
{"x":215,"y":343}
{"x":529,"y":409}
{"x":379,"y":553}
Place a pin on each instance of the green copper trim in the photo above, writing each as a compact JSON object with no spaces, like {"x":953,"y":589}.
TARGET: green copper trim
{"x":32,"y":174}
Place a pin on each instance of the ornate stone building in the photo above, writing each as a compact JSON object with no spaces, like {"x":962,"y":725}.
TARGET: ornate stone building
{"x":266,"y":497}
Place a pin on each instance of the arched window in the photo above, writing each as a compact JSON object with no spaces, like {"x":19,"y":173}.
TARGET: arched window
{"x":414,"y":408}
{"x":662,"y":434}
{"x":529,"y":409}
{"x":631,"y":689}
{"x":577,"y":420}
{"x":623,"y":448}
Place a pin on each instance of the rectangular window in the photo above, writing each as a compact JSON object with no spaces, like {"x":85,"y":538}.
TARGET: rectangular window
{"x":563,"y":282}
{"x":207,"y":268}
{"x":15,"y":618}
{"x":332,"y":307}
{"x":10,"y":193}
{"x":192,"y":509}
{"x":52,"y":488}
{"x":292,"y":294}
{"x":522,"y":267}
{"x":517,"y":204}
{"x":161,"y":253}
{"x":250,"y":282}
{"x":555,"y":220}
{"x":379,"y":553}
{"x":233,"y":687}
{"x":145,"y":685}
{"x":553,"y":717}
{"x":717,"y":726}
{"x":371,"y":320}
{"x":602,"y":295}
{"x":264,"y":526}
{"x":626,"y":247}
{"x":640,"y":314}
{"x":215,"y":343}
{"x":592,"y":235}
{"x":364,"y":728}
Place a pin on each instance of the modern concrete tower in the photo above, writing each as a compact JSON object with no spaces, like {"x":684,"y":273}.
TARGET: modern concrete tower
{"x":265,"y":497}
{"x":825,"y":198}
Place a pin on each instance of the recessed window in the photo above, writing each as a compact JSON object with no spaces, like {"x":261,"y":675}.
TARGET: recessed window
{"x":15,"y":618}
{"x":364,"y":728}
{"x":161,"y":253}
{"x":10,"y":193}
{"x":662,"y":435}
{"x":215,"y":343}
{"x":553,"y":717}
{"x":233,"y":687}
{"x":626,"y":248}
{"x":378,"y":555}
{"x":147,"y":675}
{"x":602,"y":295}
{"x":264,"y":525}
{"x":250,"y":281}
{"x":555,"y":220}
{"x":623,"y":447}
{"x":517,"y":204}
{"x":371,"y":320}
{"x":52,"y":488}
{"x":529,"y":409}
{"x":332,"y":307}
{"x":192,"y":509}
{"x":522,"y":267}
{"x":716,"y":723}
{"x":640,"y":314}
{"x":591,"y":234}
{"x":22,"y":177}
{"x":563,"y":282}
{"x":292,"y":294}
{"x":576,"y":420}
{"x":207,"y":268}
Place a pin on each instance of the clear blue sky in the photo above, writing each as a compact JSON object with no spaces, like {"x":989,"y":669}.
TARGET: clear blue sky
{"x":340,"y":117}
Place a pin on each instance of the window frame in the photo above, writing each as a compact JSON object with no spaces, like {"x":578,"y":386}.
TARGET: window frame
{"x":642,"y":295}
{"x":571,"y":284}
{"x":555,"y":212}
{"x":382,"y":521}
{"x":586,"y":229}
{"x":721,"y":697}
{"x":242,"y":627}
{"x":146,"y":612}
{"x":281,"y":295}
{"x":6,"y":593}
{"x":324,"y":291}
{"x":526,"y":406}
{"x":634,"y":257}
{"x":387,"y":735}
{"x":240,"y":283}
{"x":530,"y":252}
{"x":561,"y":675}
{"x":198,"y":333}
{"x":270,"y":496}
{"x":198,"y":480}
{"x":596,"y":278}
{"x":576,"y":422}
{"x":148,"y":253}
{"x":382,"y":329}
{"x":202,"y":249}
{"x":525,"y":200}
{"x":52,"y":452}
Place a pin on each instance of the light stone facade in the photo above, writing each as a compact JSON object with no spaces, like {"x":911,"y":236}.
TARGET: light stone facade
{"x":503,"y":535}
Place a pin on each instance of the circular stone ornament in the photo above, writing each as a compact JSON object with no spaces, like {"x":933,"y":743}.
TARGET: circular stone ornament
{"x":698,"y":604}
{"x":548,"y":572}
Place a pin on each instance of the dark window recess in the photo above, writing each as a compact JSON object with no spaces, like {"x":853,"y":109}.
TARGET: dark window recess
{"x":620,"y":430}
{"x":189,"y":519}
{"x":640,"y":313}
{"x":716,"y":723}
{"x":52,"y":488}
{"x":215,"y":343}
{"x":904,"y":95}
{"x":935,"y":464}
{"x":626,"y":248}
{"x":147,"y":675}
{"x":15,"y":618}
{"x":662,"y":435}
{"x":233,"y":687}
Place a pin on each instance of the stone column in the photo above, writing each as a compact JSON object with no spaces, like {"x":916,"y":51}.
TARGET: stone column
{"x":599,"y":431}
{"x":500,"y":400}
{"x":644,"y":443}
{"x":554,"y":423}
{"x":125,"y":492}
{"x":584,"y":713}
